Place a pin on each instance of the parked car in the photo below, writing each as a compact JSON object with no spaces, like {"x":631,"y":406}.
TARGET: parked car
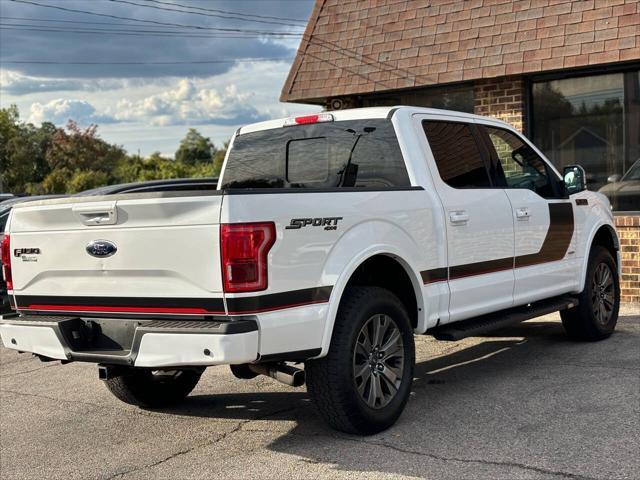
{"x":333,"y":238}
{"x":173,"y":184}
{"x":5,"y":196}
{"x":624,"y":191}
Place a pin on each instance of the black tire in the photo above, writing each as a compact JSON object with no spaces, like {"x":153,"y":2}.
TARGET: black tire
{"x":144,"y":387}
{"x":585,"y":321}
{"x":332,"y":380}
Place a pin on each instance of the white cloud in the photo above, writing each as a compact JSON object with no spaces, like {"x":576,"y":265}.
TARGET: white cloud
{"x":15,"y":83}
{"x":60,"y":111}
{"x":186,"y":104}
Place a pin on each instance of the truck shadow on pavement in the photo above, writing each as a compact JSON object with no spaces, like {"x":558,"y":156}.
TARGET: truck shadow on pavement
{"x":505,"y":396}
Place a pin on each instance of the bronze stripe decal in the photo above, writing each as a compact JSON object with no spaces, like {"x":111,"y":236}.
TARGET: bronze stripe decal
{"x":558,"y":238}
{"x":278,"y":301}
{"x":582,"y":201}
{"x":434,"y":275}
{"x":554,"y":248}
{"x":478,"y":268}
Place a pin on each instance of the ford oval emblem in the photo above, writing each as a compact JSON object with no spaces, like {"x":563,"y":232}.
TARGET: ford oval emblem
{"x":101,"y":248}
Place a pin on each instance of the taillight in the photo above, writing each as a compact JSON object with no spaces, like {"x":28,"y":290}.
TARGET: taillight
{"x":5,"y":248}
{"x":244,"y":249}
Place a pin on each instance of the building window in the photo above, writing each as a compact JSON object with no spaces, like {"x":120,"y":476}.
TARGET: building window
{"x":593,"y":121}
{"x":458,"y":98}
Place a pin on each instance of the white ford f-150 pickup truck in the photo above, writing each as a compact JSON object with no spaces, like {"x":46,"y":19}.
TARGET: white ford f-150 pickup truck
{"x":332,"y":239}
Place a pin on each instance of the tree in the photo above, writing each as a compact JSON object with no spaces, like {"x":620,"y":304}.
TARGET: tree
{"x":22,"y":152}
{"x":48,"y":159}
{"x":218,"y":159}
{"x":82,"y":149}
{"x":195,"y":148}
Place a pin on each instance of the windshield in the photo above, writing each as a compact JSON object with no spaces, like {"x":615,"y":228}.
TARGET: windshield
{"x":356,"y":153}
{"x":633,"y":173}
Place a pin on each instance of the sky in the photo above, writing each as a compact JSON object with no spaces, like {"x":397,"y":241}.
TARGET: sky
{"x":147,"y":70}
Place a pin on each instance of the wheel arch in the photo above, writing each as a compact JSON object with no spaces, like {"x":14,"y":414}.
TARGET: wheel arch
{"x":603,"y":235}
{"x":359,"y":272}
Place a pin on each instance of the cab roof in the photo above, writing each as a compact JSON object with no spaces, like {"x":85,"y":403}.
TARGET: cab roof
{"x":367,"y":113}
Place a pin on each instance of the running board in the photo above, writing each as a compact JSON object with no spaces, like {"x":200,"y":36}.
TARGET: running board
{"x":504,"y":318}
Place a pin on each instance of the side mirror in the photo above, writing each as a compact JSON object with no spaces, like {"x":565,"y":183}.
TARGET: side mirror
{"x":614,"y":178}
{"x":575,"y":179}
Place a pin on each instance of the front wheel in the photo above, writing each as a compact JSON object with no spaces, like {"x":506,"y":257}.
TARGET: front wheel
{"x":149,"y":388}
{"x":363,"y":384}
{"x":596,"y":315}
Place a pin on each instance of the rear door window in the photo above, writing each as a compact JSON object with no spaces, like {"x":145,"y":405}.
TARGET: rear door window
{"x":355,"y":153}
{"x":457,"y":154}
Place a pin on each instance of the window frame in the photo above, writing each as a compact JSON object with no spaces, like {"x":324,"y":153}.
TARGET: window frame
{"x":500,"y":179}
{"x":590,"y":71}
{"x":480,"y":143}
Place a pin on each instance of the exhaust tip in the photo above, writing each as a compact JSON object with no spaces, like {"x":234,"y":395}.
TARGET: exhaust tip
{"x":298,"y":378}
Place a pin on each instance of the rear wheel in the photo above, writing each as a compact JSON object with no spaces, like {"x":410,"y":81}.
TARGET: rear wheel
{"x":596,"y":315}
{"x":363,"y":383}
{"x":153,"y":388}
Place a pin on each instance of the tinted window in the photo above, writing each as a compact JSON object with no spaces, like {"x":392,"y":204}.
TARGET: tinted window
{"x":457,"y":155}
{"x":308,"y":161}
{"x":522,"y":166}
{"x":358,"y":153}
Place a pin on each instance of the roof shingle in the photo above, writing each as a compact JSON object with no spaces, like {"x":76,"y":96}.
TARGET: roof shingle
{"x":362,"y":46}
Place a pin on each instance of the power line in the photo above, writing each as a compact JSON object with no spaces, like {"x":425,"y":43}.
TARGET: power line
{"x":155,"y":22}
{"x":195,"y":62}
{"x":229,"y":12}
{"x":136,"y":33}
{"x":216,"y":15}
{"x":349,"y":53}
{"x":50,"y":20}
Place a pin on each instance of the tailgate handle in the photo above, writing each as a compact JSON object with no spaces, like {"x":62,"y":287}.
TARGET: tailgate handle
{"x":97,"y":214}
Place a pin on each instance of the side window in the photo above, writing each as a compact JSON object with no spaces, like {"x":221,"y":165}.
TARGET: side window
{"x":457,"y":154}
{"x":522,"y":166}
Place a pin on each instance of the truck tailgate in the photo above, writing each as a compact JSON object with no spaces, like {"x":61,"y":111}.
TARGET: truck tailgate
{"x":155,"y":253}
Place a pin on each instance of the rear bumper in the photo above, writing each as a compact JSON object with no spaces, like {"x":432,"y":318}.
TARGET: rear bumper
{"x":140,"y":343}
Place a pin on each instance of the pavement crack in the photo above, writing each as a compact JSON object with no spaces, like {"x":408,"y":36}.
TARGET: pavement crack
{"x":193,"y":448}
{"x":9,"y":375}
{"x":46,"y":397}
{"x":471,"y":460}
{"x":79,"y":402}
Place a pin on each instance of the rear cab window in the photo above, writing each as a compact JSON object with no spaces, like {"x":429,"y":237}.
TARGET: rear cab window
{"x":355,"y":153}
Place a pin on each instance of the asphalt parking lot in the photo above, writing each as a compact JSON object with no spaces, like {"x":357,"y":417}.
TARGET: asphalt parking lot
{"x":523,"y":403}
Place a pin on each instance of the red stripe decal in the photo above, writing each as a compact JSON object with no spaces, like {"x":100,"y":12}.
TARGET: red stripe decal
{"x":95,"y":308}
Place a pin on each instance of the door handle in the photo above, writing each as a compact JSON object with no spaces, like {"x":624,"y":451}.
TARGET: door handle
{"x":522,"y":213}
{"x":459,"y":218}
{"x":98,"y":214}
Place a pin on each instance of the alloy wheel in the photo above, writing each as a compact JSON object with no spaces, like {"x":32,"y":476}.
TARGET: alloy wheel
{"x":603,"y":293}
{"x":378,"y":361}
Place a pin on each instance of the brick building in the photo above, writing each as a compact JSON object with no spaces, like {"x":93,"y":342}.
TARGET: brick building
{"x":565,"y":72}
